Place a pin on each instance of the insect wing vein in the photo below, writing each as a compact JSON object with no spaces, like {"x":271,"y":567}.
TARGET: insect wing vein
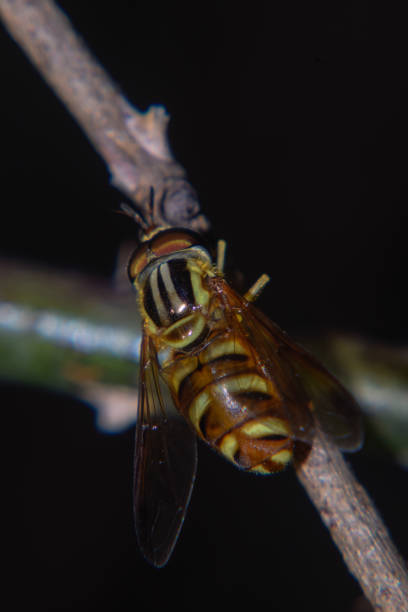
{"x":309,"y":391}
{"x":334,"y":407}
{"x":165,"y":462}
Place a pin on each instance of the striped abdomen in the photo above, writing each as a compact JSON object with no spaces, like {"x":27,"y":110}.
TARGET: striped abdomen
{"x":231,"y":404}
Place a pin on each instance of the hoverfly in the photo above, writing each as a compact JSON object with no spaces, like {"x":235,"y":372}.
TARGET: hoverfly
{"x":213,"y":366}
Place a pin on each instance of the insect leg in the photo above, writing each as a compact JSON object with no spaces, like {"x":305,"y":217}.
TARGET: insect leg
{"x":221,"y":247}
{"x":254,"y":292}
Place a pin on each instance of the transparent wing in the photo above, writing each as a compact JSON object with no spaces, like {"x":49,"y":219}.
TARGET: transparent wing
{"x":165,"y":462}
{"x":313,"y":392}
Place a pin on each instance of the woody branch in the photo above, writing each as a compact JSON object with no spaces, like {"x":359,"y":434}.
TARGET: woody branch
{"x":133,"y":144}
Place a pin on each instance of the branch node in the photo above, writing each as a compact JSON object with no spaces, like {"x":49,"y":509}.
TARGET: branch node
{"x":149,"y":129}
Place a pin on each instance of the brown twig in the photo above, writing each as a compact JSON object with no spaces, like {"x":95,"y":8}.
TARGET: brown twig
{"x":133,"y":144}
{"x":355,"y":526}
{"x":135,"y":148}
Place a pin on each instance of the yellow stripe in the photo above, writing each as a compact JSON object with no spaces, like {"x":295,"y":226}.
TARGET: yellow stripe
{"x":268,"y":426}
{"x":225,"y":347}
{"x":184,"y":368}
{"x":161,"y":309}
{"x":283,"y":457}
{"x":198,"y":406}
{"x":233,"y":384}
{"x":178,"y":305}
{"x":244,"y":383}
{"x":201,"y":295}
{"x":229,"y":446}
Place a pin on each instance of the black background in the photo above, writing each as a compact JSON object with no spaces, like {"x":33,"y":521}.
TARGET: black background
{"x":292,"y":126}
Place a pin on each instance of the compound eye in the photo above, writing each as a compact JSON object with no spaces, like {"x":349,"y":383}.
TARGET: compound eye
{"x":138,"y":262}
{"x":173,"y":241}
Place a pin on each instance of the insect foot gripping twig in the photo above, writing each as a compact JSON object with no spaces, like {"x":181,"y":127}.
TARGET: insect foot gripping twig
{"x":355,"y":526}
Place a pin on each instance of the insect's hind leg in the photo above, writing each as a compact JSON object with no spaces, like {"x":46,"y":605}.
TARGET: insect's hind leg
{"x":255,"y":291}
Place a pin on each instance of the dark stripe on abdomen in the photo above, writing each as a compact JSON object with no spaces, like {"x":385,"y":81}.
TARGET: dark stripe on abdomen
{"x":233,"y":357}
{"x":227,"y":402}
{"x":217,"y":362}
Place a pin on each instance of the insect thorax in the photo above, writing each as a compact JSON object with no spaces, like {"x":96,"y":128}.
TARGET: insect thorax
{"x":175,"y":298}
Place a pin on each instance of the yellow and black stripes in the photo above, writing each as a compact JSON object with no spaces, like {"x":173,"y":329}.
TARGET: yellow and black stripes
{"x":177,"y":289}
{"x":168,"y":292}
{"x":232,"y":405}
{"x":213,"y":372}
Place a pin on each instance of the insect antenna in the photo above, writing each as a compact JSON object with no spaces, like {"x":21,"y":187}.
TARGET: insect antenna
{"x":131,"y":211}
{"x":151,"y":218}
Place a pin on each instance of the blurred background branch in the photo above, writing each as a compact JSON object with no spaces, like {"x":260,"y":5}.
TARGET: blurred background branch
{"x":50,"y":338}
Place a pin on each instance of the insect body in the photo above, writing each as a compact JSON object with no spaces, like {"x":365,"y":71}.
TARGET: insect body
{"x":212,"y":364}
